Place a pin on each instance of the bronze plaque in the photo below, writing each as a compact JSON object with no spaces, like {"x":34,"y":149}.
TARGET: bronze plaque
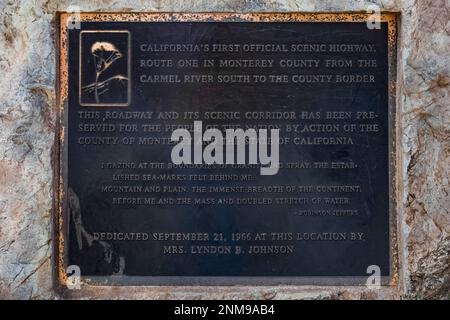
{"x":153,"y":186}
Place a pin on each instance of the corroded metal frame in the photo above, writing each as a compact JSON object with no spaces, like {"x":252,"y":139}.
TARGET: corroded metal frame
{"x":61,"y":219}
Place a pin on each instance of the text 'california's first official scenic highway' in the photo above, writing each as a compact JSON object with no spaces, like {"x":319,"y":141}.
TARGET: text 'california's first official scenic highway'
{"x":157,"y":184}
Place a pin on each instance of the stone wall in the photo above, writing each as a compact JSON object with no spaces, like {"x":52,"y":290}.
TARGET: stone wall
{"x":27,"y":136}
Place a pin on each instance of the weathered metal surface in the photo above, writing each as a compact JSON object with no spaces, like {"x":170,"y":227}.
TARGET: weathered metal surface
{"x":67,"y":199}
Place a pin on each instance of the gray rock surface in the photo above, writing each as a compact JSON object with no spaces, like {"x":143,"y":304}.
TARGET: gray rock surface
{"x":27,"y":135}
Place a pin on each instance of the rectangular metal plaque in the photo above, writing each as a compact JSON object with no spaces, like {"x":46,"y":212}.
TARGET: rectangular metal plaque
{"x":130,"y":213}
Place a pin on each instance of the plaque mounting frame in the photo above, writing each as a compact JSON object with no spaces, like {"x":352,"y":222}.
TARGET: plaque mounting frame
{"x":60,"y":221}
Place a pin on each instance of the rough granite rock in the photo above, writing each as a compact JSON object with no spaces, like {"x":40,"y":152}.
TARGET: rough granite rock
{"x":27,"y":135}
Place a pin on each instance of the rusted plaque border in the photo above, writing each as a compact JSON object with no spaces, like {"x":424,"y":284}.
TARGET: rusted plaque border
{"x":61,"y":217}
